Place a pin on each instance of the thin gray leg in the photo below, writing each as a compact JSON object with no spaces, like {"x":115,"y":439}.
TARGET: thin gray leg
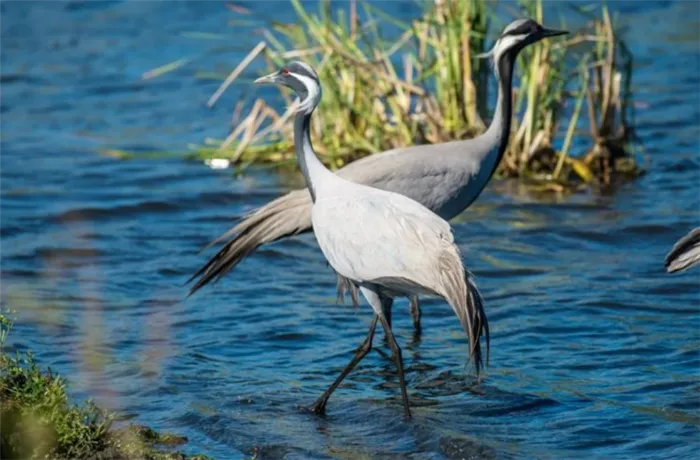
{"x":375,"y":300}
{"x":319,"y":407}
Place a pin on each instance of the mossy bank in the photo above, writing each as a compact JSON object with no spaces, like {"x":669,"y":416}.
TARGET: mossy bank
{"x":37,"y":420}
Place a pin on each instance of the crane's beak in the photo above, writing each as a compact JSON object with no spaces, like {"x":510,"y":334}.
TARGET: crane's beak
{"x":553,"y":32}
{"x":272,"y":78}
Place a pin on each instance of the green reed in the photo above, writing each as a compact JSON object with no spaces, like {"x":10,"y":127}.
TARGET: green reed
{"x":425,"y":84}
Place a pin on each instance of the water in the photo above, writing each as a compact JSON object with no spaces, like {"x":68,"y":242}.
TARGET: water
{"x":594,"y":348}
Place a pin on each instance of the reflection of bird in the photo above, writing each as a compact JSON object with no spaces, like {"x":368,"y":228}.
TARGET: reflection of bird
{"x":446,"y":178}
{"x":385,"y":243}
{"x":685,"y":253}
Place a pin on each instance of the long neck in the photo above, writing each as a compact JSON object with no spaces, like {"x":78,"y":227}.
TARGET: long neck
{"x":314,"y":171}
{"x":499,"y":129}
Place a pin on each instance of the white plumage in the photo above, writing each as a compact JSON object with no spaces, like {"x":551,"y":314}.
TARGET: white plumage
{"x":385,"y":243}
{"x":380,"y":241}
{"x":446,"y":177}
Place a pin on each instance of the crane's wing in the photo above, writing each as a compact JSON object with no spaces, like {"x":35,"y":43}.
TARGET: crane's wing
{"x":429,"y":174}
{"x":286,"y":216}
{"x":368,"y":236}
{"x":685,"y":253}
{"x":388,"y":240}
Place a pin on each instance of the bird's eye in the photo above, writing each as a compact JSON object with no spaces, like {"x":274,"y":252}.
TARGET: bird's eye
{"x":285,"y":72}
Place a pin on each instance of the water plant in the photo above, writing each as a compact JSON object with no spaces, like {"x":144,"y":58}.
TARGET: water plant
{"x":426,"y":84}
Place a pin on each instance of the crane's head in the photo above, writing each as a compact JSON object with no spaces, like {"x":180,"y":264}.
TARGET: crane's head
{"x":517,"y":35}
{"x":301,"y":78}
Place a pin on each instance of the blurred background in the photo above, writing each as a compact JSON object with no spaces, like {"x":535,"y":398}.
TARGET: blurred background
{"x":595,"y":350}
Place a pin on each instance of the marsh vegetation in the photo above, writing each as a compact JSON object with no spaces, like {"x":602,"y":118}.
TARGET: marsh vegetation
{"x":38,"y":421}
{"x":425,"y":83}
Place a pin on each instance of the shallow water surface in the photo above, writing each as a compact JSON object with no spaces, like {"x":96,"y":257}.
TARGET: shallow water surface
{"x":595,"y":350}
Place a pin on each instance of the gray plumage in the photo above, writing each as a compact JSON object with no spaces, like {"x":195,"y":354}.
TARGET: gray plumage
{"x":446,"y":178}
{"x":385,"y":243}
{"x":438,"y":176}
{"x":685,"y":253}
{"x":387,"y":240}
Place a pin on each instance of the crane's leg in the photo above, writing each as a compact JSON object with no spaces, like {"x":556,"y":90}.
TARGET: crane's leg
{"x":399,"y":364}
{"x":345,"y":286}
{"x":319,"y":407}
{"x":414,"y":307}
{"x":387,"y":303}
{"x":379,"y":303}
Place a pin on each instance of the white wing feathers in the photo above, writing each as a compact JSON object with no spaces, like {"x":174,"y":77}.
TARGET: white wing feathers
{"x":369,"y":234}
{"x":380,"y":238}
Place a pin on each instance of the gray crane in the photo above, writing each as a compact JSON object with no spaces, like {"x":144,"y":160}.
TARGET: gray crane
{"x":685,"y":253}
{"x":446,"y":178}
{"x":384,"y":243}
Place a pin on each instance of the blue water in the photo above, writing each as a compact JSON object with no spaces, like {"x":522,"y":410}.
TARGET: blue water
{"x":595,"y":350}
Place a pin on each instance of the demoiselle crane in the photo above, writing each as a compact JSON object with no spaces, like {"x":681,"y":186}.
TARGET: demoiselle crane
{"x":383,"y":242}
{"x":446,"y":178}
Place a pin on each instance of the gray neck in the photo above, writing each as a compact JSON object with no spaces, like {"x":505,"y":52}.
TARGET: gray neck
{"x":499,"y":130}
{"x":314,"y":171}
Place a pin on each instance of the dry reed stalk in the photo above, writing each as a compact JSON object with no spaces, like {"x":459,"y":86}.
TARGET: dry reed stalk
{"x":426,"y":85}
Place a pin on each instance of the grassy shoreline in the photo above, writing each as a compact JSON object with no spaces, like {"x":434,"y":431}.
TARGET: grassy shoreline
{"x":38,"y":421}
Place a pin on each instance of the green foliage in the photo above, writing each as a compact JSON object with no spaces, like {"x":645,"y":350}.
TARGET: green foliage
{"x":38,"y":421}
{"x":426,"y":84}
{"x":5,"y":325}
{"x":36,"y":405}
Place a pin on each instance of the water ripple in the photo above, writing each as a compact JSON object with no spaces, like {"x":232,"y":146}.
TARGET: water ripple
{"x":594,"y":348}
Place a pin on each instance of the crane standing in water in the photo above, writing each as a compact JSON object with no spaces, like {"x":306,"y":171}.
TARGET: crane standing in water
{"x":385,"y":243}
{"x":446,"y":178}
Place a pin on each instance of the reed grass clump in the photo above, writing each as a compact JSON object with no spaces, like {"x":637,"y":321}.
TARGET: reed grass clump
{"x":593,"y":69}
{"x":425,"y":84}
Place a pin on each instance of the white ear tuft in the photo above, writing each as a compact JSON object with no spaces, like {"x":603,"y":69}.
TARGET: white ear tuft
{"x":313,"y":97}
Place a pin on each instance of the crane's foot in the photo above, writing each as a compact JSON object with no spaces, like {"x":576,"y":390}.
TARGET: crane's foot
{"x":318,"y":408}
